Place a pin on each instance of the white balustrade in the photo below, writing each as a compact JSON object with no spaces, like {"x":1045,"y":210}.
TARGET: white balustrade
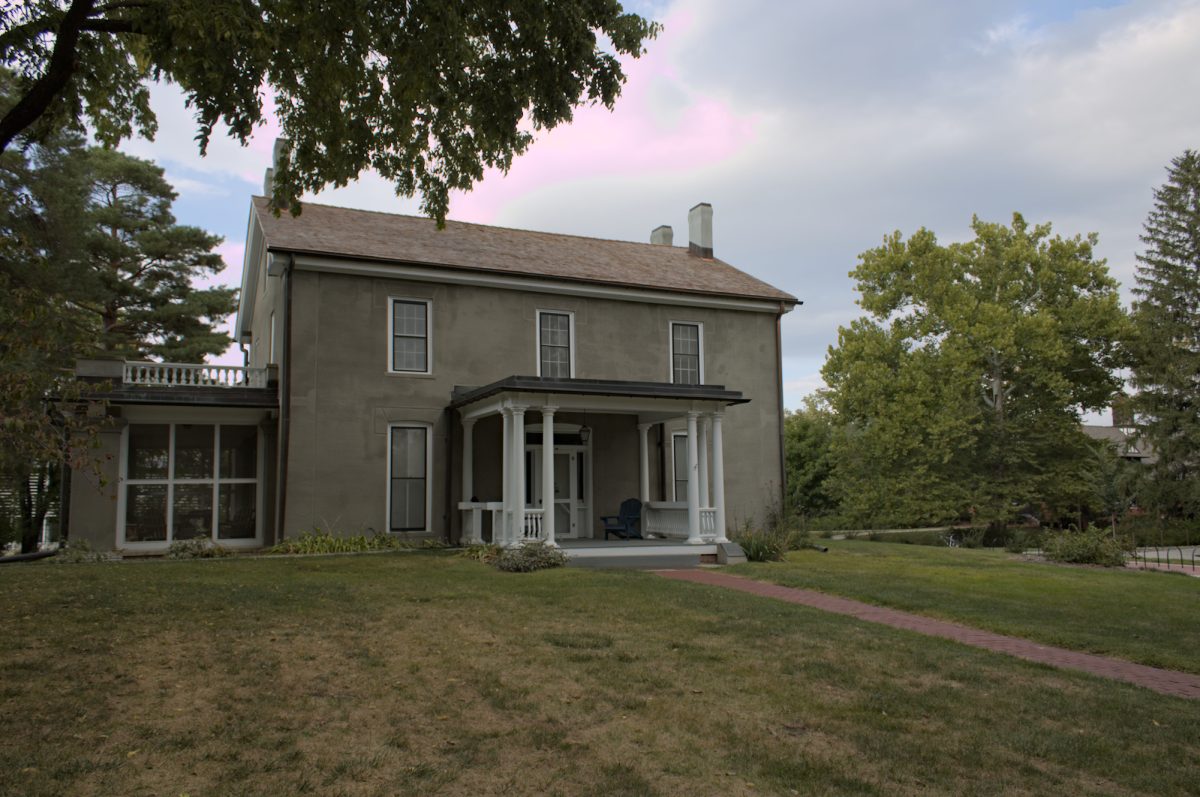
{"x":669,"y":519}
{"x":533,"y":525}
{"x":193,"y":375}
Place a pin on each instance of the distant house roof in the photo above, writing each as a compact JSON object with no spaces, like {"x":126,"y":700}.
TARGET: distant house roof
{"x":1124,"y":441}
{"x":369,"y":235}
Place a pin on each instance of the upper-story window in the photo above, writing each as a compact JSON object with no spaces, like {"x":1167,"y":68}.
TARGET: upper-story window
{"x":410,"y":349}
{"x":687,"y":358}
{"x":556,"y":344}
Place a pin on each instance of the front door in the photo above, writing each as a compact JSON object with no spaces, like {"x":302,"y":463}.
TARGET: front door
{"x":570,"y":507}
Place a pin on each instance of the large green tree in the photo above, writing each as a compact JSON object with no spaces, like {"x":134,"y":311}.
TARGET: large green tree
{"x":1166,"y":340}
{"x":41,"y":202}
{"x":91,"y":262}
{"x":959,"y":394}
{"x":428,"y":92}
{"x":807,"y":436}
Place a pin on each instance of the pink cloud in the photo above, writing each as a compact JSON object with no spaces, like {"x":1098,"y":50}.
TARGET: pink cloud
{"x":635,"y":138}
{"x":632,"y":139}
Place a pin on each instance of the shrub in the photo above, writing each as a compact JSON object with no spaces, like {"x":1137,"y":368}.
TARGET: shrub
{"x":1095,"y":546}
{"x":529,"y":557}
{"x":1021,"y":540}
{"x":318,"y":541}
{"x":80,"y":552}
{"x":481,"y":552}
{"x":198,"y":548}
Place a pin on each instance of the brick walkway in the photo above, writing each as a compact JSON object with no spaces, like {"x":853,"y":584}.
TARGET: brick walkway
{"x":1168,"y":682}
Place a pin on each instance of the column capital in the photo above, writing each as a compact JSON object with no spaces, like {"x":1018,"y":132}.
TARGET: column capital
{"x":644,"y":427}
{"x":468,"y":422}
{"x":694,"y":414}
{"x":519,"y":410}
{"x":549,"y":409}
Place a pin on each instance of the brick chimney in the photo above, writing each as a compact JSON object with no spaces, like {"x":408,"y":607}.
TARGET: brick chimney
{"x":662,"y":235}
{"x":700,"y":242}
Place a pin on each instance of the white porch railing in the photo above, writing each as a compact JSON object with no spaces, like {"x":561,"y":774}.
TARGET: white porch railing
{"x":533,"y":525}
{"x":669,"y":519}
{"x":193,"y":375}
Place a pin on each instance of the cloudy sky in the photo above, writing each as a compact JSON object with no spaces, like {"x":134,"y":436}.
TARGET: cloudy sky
{"x":816,"y":128}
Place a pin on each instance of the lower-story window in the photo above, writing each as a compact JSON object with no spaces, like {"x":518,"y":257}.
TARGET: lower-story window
{"x":408,"y":477}
{"x":184,"y":481}
{"x":679,"y":461}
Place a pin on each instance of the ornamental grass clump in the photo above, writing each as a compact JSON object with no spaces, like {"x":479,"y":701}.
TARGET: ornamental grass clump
{"x":771,"y":541}
{"x":320,"y":541}
{"x":529,"y":557}
{"x":1095,"y":546}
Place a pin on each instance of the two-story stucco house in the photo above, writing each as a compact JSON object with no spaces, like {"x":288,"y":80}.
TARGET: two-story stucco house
{"x":447,"y":383}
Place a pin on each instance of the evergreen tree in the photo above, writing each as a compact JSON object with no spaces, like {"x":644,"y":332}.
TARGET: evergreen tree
{"x":136,"y":280}
{"x":1166,"y":340}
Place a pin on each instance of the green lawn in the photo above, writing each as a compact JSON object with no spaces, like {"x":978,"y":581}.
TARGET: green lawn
{"x":423,"y":673}
{"x":1148,"y":617}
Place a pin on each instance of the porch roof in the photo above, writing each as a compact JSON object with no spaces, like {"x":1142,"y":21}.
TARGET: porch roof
{"x":463,"y":396}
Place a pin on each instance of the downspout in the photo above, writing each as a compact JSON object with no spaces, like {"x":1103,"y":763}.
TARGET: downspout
{"x":782,"y":438}
{"x":285,"y":402}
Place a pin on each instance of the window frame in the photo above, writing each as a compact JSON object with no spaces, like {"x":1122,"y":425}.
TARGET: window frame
{"x":171,"y":481}
{"x":671,"y":348}
{"x":675,"y":466}
{"x":537,"y":340}
{"x":391,"y":335}
{"x":387,"y":518}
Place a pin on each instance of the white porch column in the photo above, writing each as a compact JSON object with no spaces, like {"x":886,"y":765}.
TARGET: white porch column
{"x":502,"y":537}
{"x":704,"y":461}
{"x":468,"y":477}
{"x":644,"y":460}
{"x":548,"y":505}
{"x":693,"y":483}
{"x":718,"y":474}
{"x":518,"y":475}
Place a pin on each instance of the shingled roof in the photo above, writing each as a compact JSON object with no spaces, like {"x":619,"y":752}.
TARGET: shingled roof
{"x":369,"y":235}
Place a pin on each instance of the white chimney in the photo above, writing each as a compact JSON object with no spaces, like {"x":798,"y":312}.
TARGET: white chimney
{"x":662,"y":235}
{"x":281,"y":147}
{"x":700,"y":243}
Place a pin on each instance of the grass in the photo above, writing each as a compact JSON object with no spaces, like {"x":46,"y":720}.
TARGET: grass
{"x":1147,"y":617}
{"x":425,"y":673}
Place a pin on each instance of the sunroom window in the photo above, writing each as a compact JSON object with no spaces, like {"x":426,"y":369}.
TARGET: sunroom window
{"x":184,"y":481}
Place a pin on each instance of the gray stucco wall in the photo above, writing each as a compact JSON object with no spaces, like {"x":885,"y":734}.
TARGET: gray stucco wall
{"x":343,"y":398}
{"x":93,"y":514}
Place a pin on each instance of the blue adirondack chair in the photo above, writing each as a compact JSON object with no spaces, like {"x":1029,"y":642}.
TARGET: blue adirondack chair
{"x":625,"y":523}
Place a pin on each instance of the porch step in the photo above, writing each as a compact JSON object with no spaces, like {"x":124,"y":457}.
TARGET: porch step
{"x":664,"y":562}
{"x":640,"y":555}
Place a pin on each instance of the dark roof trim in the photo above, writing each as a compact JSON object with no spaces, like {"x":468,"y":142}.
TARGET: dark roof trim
{"x":463,"y":396}
{"x":247,"y":397}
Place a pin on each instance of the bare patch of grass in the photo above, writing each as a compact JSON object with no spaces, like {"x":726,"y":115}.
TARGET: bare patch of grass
{"x":426,"y":673}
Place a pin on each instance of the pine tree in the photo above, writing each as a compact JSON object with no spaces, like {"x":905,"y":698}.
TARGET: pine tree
{"x":1166,"y":340}
{"x":136,"y":280}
